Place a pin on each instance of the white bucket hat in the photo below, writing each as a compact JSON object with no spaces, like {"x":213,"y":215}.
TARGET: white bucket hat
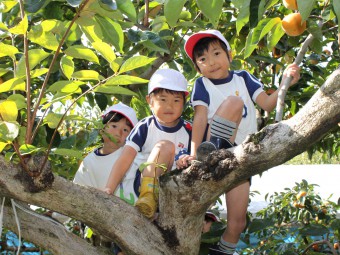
{"x":124,"y":110}
{"x":193,"y":39}
{"x":168,"y":79}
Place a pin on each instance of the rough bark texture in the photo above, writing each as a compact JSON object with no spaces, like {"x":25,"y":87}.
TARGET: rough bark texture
{"x":185,"y":196}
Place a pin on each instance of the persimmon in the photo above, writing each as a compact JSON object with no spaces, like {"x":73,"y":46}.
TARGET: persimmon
{"x":290,"y":4}
{"x":336,"y":246}
{"x":315,"y":247}
{"x":292,"y":24}
{"x":302,"y":193}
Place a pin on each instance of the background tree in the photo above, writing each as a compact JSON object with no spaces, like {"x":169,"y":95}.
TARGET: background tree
{"x":62,"y":62}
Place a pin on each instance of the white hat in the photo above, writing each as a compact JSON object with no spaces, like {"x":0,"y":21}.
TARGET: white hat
{"x":168,"y":79}
{"x":124,"y":110}
{"x":193,"y":39}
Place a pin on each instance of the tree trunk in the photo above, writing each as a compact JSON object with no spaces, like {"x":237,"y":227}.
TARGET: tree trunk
{"x":186,"y":195}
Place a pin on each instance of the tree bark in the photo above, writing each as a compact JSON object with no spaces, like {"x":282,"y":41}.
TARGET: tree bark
{"x":186,"y":195}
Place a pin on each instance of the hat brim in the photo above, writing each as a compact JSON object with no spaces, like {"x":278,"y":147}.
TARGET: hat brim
{"x":126,"y":117}
{"x":191,"y":42}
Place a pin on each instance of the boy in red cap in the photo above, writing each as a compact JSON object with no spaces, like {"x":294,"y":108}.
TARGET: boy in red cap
{"x":225,"y":114}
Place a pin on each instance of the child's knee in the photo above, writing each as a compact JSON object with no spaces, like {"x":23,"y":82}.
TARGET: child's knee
{"x":166,"y":147}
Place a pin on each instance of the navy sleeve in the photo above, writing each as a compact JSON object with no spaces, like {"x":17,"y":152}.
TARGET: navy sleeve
{"x":139,"y":133}
{"x":199,"y":93}
{"x":251,"y":81}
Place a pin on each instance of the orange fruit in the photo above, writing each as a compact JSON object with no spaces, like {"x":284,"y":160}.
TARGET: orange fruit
{"x":315,"y":247}
{"x":336,"y":246}
{"x":292,"y":24}
{"x":290,"y":4}
{"x":302,"y":193}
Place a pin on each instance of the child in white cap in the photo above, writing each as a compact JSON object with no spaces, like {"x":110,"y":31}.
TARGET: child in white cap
{"x":162,"y":139}
{"x":224,"y":114}
{"x":94,"y":171}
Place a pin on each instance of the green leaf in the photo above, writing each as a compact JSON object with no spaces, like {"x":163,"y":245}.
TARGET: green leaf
{"x":44,"y":39}
{"x":135,"y":62}
{"x":6,"y":6}
{"x":105,"y":50}
{"x":52,"y":119}
{"x":128,"y":9}
{"x":172,"y":11}
{"x":2,"y":146}
{"x":8,"y":111}
{"x":254,"y":13}
{"x":28,"y":149}
{"x":21,"y":28}
{"x":154,"y":42}
{"x":243,"y":16}
{"x":68,"y":153}
{"x":33,"y":6}
{"x":212,"y":9}
{"x":112,"y":32}
{"x":87,"y":75}
{"x":65,"y":87}
{"x":67,"y":66}
{"x":115,"y":90}
{"x":19,"y":100}
{"x":336,"y":7}
{"x":314,"y":230}
{"x":274,"y":36}
{"x":35,"y":57}
{"x":74,"y":3}
{"x":8,"y":50}
{"x":3,"y":71}
{"x":125,"y":80}
{"x":8,"y":131}
{"x":305,"y":8}
{"x":81,"y":52}
{"x":13,"y":84}
{"x":38,"y":72}
{"x":259,"y":224}
{"x":109,"y":5}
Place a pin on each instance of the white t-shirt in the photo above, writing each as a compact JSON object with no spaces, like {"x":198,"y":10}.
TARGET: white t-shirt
{"x":148,"y":132}
{"x":211,"y":93}
{"x":95,"y":170}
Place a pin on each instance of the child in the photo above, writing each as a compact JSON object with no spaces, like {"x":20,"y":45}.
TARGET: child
{"x":95,"y":169}
{"x":157,"y":139}
{"x":223,"y":102}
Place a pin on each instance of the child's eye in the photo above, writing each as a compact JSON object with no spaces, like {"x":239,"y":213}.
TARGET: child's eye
{"x":126,"y":130}
{"x":217,"y":53}
{"x":201,"y":60}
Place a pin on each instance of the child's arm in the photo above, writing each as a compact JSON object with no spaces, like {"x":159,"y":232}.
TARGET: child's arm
{"x":119,"y":169}
{"x":198,"y":127}
{"x":268,"y":103}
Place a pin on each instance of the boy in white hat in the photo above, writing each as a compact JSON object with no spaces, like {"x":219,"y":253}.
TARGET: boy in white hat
{"x":162,"y":139}
{"x":223,"y":102}
{"x":118,"y":120}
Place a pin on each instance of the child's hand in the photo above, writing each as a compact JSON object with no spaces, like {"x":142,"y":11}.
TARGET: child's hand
{"x":292,"y":70}
{"x":184,"y":161}
{"x":108,"y":191}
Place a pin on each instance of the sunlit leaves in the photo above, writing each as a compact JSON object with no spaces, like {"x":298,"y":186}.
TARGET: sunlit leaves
{"x":13,"y":84}
{"x":336,"y":6}
{"x":65,"y":87}
{"x":125,"y":80}
{"x":43,"y":38}
{"x":8,"y":50}
{"x":8,"y":111}
{"x":172,"y":10}
{"x":243,"y":15}
{"x":212,"y":9}
{"x":52,"y":120}
{"x":81,"y":52}
{"x":8,"y":131}
{"x":67,"y":66}
{"x":35,"y":57}
{"x":135,"y":62}
{"x":112,"y":32}
{"x":128,"y":9}
{"x":6,"y":6}
{"x":26,"y":149}
{"x":68,"y":153}
{"x":87,"y":75}
{"x":115,"y":90}
{"x":19,"y":100}
{"x":105,"y":50}
{"x":21,"y":28}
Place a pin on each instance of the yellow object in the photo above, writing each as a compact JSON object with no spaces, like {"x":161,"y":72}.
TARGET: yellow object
{"x":148,"y":198}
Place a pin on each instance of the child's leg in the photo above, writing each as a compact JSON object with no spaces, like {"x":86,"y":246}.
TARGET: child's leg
{"x":237,"y":203}
{"x":162,"y":153}
{"x":223,"y":127}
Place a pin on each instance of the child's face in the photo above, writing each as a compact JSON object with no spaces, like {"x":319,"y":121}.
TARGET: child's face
{"x":166,"y":107}
{"x":214,"y":63}
{"x":118,"y":130}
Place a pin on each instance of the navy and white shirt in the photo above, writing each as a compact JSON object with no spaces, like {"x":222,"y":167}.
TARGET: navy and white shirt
{"x":148,"y":132}
{"x":211,"y":93}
